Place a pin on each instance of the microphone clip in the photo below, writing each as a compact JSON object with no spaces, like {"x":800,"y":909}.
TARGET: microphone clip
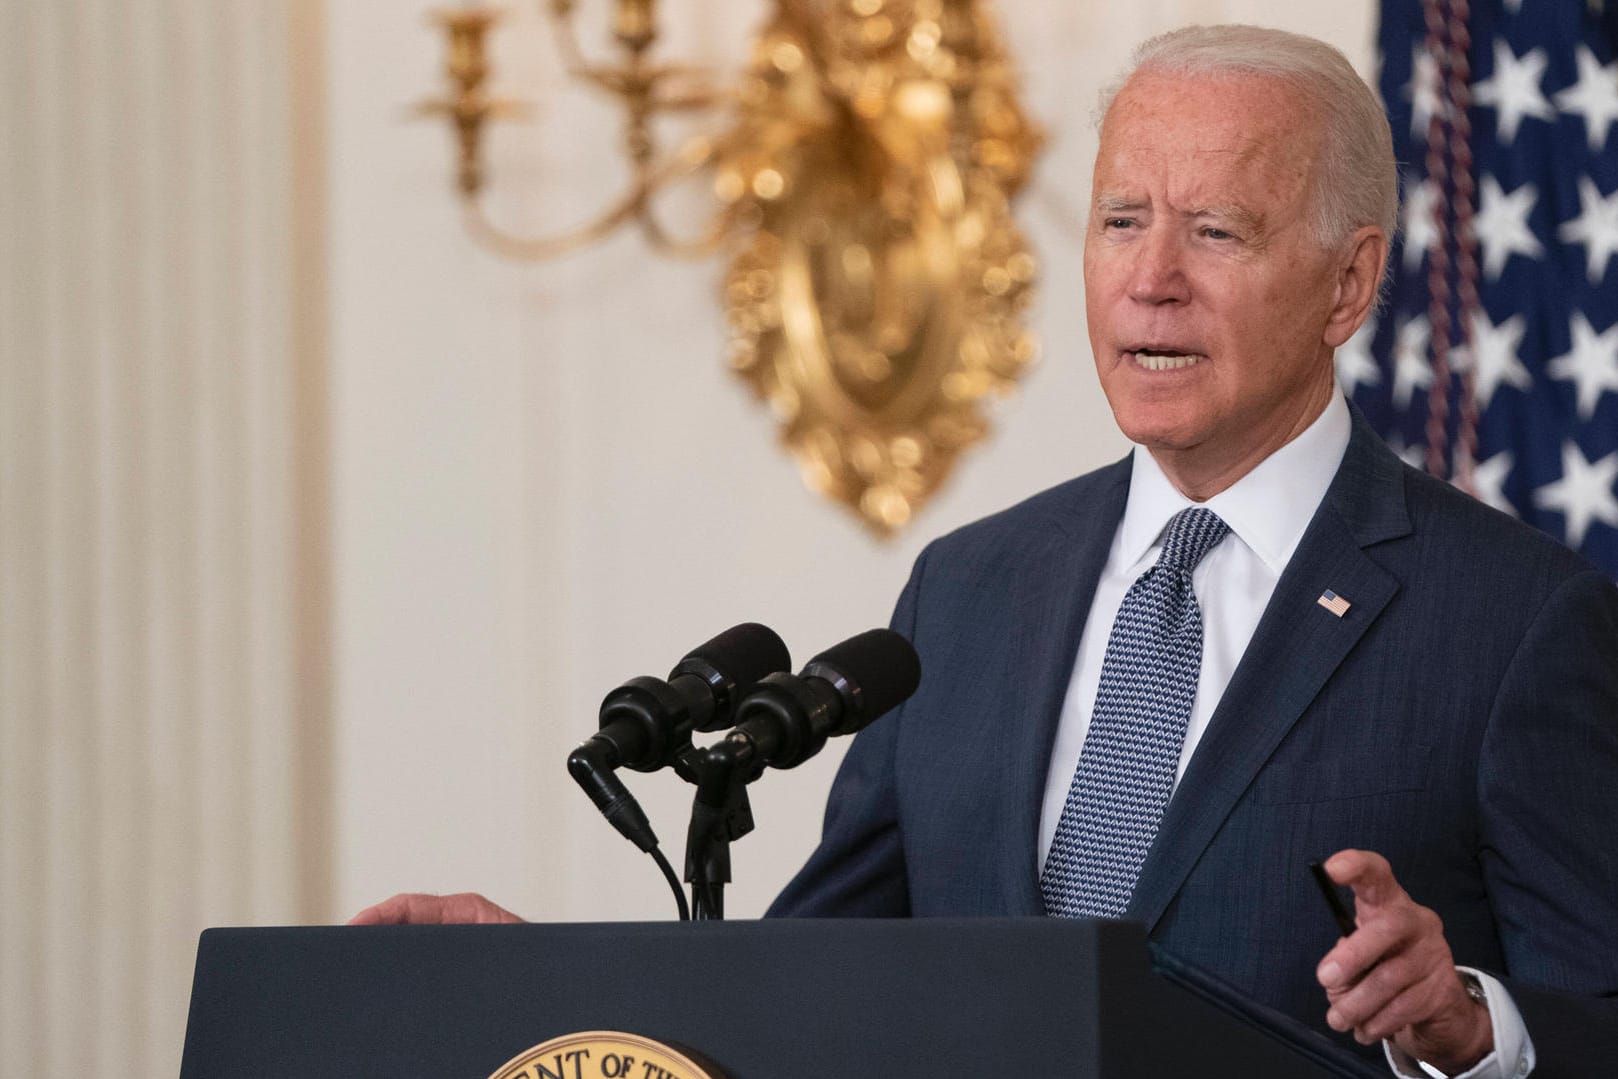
{"x":721,"y":813}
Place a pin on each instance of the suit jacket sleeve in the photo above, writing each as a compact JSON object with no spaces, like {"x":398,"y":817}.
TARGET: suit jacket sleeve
{"x":858,"y":870}
{"x":1548,"y":796}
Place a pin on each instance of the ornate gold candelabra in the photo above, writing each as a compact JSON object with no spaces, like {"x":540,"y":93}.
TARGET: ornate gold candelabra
{"x":863,"y":172}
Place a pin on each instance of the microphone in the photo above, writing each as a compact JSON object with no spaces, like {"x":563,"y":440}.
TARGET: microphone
{"x":780,"y":723}
{"x":646,"y":722}
{"x":786,"y":718}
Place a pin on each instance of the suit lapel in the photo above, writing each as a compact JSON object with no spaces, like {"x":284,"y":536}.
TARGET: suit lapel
{"x":1051,"y":598}
{"x":1294,"y":650}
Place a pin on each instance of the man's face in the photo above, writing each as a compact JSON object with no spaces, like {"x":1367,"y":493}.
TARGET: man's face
{"x":1207,"y":295}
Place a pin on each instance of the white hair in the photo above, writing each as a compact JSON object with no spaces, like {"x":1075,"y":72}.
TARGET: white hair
{"x":1357,"y":179}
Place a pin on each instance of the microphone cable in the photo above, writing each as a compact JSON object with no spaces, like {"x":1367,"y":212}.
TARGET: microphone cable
{"x":674,"y":882}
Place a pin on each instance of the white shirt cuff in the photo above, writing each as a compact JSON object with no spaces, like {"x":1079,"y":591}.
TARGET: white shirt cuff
{"x":1513,"y":1056}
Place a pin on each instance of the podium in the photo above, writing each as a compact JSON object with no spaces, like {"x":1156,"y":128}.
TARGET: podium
{"x":788,"y":999}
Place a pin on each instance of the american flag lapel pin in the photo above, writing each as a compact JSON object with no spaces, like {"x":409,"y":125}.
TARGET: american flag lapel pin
{"x":1334,"y":603}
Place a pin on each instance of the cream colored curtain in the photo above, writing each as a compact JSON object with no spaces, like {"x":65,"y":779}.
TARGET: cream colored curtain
{"x":160,"y":524}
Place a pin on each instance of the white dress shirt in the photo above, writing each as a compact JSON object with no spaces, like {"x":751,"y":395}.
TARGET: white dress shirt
{"x":1267,"y":511}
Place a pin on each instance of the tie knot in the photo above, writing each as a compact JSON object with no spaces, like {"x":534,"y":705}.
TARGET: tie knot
{"x":1191,"y":534}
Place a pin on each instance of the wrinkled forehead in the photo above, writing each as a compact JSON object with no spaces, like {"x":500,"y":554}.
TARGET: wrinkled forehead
{"x":1236,"y":136}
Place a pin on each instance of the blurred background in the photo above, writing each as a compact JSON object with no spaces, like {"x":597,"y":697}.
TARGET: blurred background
{"x":323,"y":530}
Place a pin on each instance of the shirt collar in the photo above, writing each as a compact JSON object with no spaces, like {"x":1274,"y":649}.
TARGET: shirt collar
{"x":1268,"y":509}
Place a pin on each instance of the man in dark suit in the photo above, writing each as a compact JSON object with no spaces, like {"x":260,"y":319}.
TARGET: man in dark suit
{"x":1388,"y":665}
{"x":1354,"y":658}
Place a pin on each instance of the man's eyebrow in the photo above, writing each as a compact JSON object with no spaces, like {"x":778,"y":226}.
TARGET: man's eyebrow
{"x":1236,"y":214}
{"x":1240,"y":216}
{"x":1112,"y":204}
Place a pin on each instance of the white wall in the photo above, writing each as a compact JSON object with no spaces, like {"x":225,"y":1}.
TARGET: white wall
{"x":546,"y":482}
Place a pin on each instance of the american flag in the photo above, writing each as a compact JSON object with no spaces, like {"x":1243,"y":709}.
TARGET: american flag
{"x":1494,"y":362}
{"x":1334,"y":603}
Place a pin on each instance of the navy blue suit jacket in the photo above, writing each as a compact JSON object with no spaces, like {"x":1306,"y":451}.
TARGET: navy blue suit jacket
{"x":1461,"y":719}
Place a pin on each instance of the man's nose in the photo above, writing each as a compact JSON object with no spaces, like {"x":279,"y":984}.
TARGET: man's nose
{"x":1158,"y":273}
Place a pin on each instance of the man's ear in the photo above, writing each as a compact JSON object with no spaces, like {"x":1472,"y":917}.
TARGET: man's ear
{"x":1358,"y":277}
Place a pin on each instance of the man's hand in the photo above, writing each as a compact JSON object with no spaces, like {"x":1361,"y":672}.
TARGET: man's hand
{"x":1395,"y":977}
{"x":413,"y":908}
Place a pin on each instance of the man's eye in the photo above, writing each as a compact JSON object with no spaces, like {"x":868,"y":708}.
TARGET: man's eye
{"x":1119,"y":222}
{"x":1217,"y":234}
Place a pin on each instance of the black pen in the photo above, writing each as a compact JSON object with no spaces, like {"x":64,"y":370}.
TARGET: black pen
{"x":1334,"y":899}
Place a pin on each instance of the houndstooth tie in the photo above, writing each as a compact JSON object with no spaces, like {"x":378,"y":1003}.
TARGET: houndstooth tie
{"x":1126,"y":769}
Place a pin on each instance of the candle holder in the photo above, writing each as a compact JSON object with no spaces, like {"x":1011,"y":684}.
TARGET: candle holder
{"x":863,"y":167}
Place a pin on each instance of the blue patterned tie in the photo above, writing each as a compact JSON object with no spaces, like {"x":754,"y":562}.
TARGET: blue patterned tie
{"x":1126,"y":769}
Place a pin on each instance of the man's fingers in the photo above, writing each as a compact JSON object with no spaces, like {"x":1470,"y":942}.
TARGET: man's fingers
{"x":471,"y":908}
{"x":415,"y":908}
{"x":1407,"y":930}
{"x":1352,"y":956}
{"x":1368,"y":874}
{"x":390,"y":911}
{"x":1418,"y":1003}
{"x":1352,"y":1007}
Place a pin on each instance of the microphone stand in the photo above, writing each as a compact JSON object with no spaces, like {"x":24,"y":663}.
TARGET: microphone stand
{"x":720,"y":815}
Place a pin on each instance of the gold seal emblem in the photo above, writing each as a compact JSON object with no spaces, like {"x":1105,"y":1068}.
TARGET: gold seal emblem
{"x":604,"y":1054}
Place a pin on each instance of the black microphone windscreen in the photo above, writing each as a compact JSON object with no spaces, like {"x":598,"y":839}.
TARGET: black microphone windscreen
{"x":741,"y":655}
{"x":881,"y":663}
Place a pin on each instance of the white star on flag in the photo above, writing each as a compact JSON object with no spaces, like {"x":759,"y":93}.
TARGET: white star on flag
{"x":1489,"y":481}
{"x":1355,"y":365}
{"x":1411,"y":370}
{"x":1413,"y":455}
{"x":1591,"y":365}
{"x":1595,"y":96}
{"x":1513,"y":90}
{"x":1421,"y":229}
{"x":1495,"y":360}
{"x":1422,"y":90}
{"x":1501,"y":225}
{"x":1596,"y":227}
{"x":1584,"y":493}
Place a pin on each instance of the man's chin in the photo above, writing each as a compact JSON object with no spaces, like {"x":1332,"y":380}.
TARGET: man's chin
{"x":1159,"y":413}
{"x":1161,"y":434}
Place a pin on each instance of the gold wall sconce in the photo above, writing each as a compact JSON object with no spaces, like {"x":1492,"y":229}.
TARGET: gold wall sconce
{"x":863,"y":166}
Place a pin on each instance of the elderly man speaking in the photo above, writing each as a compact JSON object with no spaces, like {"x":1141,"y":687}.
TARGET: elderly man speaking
{"x":1160,"y":690}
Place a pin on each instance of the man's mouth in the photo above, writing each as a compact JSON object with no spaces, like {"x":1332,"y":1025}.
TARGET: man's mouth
{"x":1162,"y":359}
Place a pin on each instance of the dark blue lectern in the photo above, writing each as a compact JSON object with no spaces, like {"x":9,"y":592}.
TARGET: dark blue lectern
{"x":926,"y":998}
